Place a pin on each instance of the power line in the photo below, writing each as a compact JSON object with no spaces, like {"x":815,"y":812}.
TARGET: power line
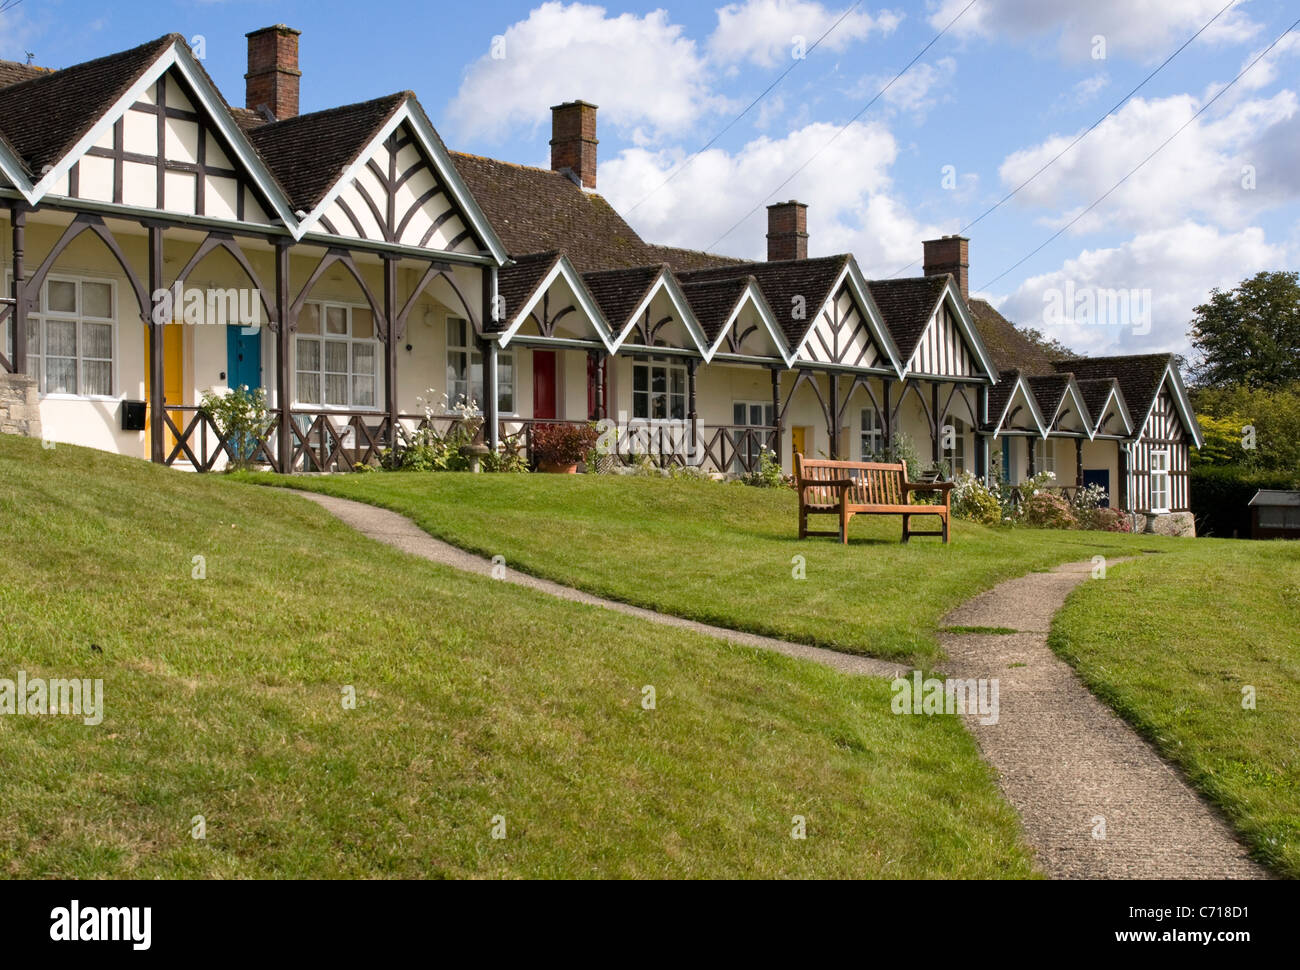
{"x":879,"y":94}
{"x":1119,"y":104}
{"x":7,"y":5}
{"x":766,"y":91}
{"x":1140,"y":164}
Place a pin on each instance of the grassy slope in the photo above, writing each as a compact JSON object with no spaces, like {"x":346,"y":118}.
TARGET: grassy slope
{"x":477,"y":699}
{"x":1170,"y":641}
{"x":722,"y":553}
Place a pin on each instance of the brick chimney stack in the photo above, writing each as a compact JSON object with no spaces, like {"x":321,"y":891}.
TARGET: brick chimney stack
{"x":951,"y":254}
{"x":573,"y":141}
{"x":787,"y":231}
{"x":273,"y":75}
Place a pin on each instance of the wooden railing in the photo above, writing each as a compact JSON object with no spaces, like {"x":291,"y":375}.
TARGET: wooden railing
{"x":329,"y":441}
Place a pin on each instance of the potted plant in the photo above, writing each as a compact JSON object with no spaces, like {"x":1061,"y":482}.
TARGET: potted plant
{"x":559,"y":447}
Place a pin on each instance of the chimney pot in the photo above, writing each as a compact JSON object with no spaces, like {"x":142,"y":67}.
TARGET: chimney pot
{"x":273,"y":77}
{"x":573,"y":141}
{"x":787,"y":231}
{"x":949,"y":254}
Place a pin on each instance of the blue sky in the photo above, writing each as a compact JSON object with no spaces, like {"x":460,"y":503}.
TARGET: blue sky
{"x":1009,"y":85}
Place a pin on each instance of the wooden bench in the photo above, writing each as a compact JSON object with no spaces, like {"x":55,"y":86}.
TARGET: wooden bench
{"x":849,"y":488}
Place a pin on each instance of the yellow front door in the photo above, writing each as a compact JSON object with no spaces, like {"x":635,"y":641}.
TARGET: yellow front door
{"x":798,"y":441}
{"x":173,"y":377}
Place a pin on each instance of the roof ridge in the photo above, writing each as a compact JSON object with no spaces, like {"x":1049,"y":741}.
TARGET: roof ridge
{"x":54,"y":72}
{"x":280,"y":125}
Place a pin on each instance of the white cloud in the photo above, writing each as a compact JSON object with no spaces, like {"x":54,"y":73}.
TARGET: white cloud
{"x":1266,"y":71}
{"x":915,"y":91}
{"x":848,"y":189}
{"x":1178,"y":265}
{"x":1147,"y":30}
{"x":1200,"y":173}
{"x":764,"y":31}
{"x":642,"y":71}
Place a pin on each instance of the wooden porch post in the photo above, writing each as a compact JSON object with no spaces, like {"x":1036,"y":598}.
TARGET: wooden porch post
{"x":1123,"y":476}
{"x":776,"y":412}
{"x":889,"y":414}
{"x":1030,"y":443}
{"x":491,"y":406}
{"x":981,"y":439}
{"x":834,"y":427}
{"x":1078,"y":463}
{"x":691,"y":414}
{"x":390,"y":344}
{"x":157,"y":441}
{"x":283,"y":339}
{"x":936,"y":448}
{"x":18,"y":222}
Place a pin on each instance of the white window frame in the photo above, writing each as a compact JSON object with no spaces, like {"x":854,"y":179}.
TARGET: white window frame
{"x":1165,"y":477}
{"x":869,"y":427}
{"x":39,"y":316}
{"x":321,"y":337}
{"x":673,"y":366}
{"x":474,"y":359}
{"x":956,"y":456}
{"x":1044,"y":455}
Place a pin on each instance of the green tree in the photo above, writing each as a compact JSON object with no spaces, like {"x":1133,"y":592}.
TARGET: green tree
{"x":1250,"y":335}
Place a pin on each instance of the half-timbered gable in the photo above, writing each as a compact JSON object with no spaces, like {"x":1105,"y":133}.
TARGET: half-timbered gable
{"x":842,"y":334}
{"x":933,"y":328}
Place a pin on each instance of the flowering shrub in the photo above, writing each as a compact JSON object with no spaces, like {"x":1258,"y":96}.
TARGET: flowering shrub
{"x":240,"y":415}
{"x":1046,"y":510}
{"x":767,"y":474}
{"x":975,"y":501}
{"x":428,"y":450}
{"x":562,"y":444}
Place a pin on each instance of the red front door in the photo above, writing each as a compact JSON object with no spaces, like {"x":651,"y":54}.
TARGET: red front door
{"x":544,"y":384}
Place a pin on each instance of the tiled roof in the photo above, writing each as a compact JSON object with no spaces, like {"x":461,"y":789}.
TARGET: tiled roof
{"x":1138,"y":376}
{"x":1007,"y":344}
{"x":535,"y":210}
{"x":12,"y":72}
{"x":1048,"y":389}
{"x":310,"y":152}
{"x":685,"y":260}
{"x":517,"y":283}
{"x":1096,"y":392}
{"x":713,"y":300}
{"x":618,"y":291}
{"x":782,"y":282}
{"x":43,"y":117}
{"x":907,"y":306}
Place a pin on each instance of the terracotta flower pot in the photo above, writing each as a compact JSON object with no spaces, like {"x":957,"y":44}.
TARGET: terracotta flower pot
{"x":554,"y":468}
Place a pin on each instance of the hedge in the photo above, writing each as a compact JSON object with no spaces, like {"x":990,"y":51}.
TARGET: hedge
{"x":1220,"y":493}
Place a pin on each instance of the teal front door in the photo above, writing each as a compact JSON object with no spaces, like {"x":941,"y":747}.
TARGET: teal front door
{"x":244,"y":357}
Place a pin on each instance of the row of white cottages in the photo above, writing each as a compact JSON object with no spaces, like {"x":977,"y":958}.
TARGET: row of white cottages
{"x":369,"y":279}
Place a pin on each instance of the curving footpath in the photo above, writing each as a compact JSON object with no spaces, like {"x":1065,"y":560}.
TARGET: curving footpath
{"x":1071,"y":767}
{"x":1064,"y":759}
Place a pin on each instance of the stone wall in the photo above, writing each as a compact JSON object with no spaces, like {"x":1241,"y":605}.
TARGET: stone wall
{"x":1165,"y":523}
{"x":20,"y":407}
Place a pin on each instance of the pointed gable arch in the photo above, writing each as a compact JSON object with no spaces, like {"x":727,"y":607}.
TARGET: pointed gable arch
{"x":1170,"y":415}
{"x":544,"y":296}
{"x":1112,"y":414}
{"x":402,"y":188}
{"x":169,"y":143}
{"x":646,"y":307}
{"x":751,"y":329}
{"x":1013,"y":408}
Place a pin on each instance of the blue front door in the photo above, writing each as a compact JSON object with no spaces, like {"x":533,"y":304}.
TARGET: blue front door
{"x":244,"y":357}
{"x":1098,"y":476}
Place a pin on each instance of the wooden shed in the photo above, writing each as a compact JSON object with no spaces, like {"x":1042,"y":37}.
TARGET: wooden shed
{"x":1275,"y":515}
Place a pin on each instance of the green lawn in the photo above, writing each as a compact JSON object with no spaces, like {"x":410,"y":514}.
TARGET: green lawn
{"x":476,"y":699}
{"x":722,"y":553}
{"x":1171,"y":641}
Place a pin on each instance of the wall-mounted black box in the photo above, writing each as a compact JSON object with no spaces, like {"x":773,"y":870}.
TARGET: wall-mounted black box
{"x":133,"y":415}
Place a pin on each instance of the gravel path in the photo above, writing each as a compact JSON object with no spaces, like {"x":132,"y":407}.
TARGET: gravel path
{"x":1064,"y":760}
{"x":399,"y":531}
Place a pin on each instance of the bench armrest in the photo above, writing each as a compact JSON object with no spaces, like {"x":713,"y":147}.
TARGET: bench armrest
{"x":931,"y":487}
